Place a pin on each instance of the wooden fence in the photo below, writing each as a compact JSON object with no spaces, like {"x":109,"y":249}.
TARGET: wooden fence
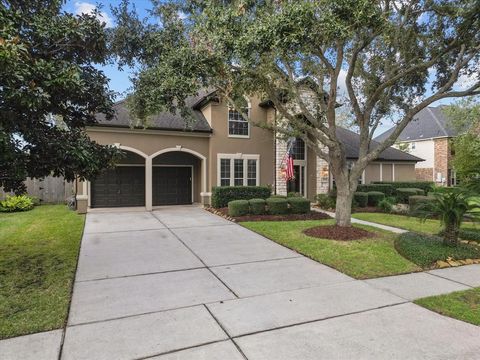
{"x":52,"y":190}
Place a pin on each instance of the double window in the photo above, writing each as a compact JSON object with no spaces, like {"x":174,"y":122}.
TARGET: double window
{"x":238,"y":126}
{"x":238,"y":170}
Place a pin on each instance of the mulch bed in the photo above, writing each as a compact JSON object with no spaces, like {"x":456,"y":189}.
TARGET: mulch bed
{"x":333,"y":232}
{"x":313,"y":215}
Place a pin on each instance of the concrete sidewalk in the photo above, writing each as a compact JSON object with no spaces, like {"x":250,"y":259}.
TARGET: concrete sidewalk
{"x":182,"y":283}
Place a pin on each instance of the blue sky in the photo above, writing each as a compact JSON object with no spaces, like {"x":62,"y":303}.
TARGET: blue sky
{"x":119,"y":80}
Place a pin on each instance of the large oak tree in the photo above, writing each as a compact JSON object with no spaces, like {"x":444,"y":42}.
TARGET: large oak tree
{"x":393,"y":58}
{"x":49,"y":91}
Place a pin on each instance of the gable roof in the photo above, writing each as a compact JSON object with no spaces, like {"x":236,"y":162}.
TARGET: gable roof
{"x":351,"y":142}
{"x":429,"y":123}
{"x":163,"y":120}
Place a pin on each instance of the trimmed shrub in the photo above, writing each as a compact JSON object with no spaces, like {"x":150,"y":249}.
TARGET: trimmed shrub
{"x":325,"y":202}
{"x":361,"y":198}
{"x":276,"y":196}
{"x":426,"y":186}
{"x":385,"y":205}
{"x":374,"y":197}
{"x":386,"y":189}
{"x":257,"y":206}
{"x":222,"y":195}
{"x":16,"y":203}
{"x":299,"y":205}
{"x":277,"y":206}
{"x":415,"y":200}
{"x":294,"y":194}
{"x":419,"y":191}
{"x":404,"y":193}
{"x":238,"y":208}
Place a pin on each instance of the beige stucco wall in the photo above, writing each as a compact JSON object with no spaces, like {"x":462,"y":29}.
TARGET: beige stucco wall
{"x":260,"y":141}
{"x":372,"y":173}
{"x":149,"y":141}
{"x":387,"y":172}
{"x":405,"y":172}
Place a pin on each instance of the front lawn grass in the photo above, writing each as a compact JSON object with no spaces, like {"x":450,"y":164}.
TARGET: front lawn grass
{"x":461,"y":305}
{"x":38,"y":257}
{"x":407,"y":222}
{"x":360,"y":259}
{"x":425,"y":250}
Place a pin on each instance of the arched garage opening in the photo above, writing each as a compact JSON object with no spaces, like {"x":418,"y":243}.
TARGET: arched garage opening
{"x":122,"y":186}
{"x":176,"y":178}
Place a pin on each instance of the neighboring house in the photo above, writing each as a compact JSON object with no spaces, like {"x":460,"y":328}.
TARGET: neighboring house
{"x":428,"y":136}
{"x":175,"y":161}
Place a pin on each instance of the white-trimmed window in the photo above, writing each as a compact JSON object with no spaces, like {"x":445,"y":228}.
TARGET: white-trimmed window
{"x":238,"y":170}
{"x":238,"y":126}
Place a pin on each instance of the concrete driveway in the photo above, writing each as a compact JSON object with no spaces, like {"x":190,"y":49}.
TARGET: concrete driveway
{"x":181,"y":283}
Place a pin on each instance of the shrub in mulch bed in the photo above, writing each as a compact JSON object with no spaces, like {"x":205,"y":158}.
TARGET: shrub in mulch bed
{"x":269,"y":217}
{"x":334,"y":232}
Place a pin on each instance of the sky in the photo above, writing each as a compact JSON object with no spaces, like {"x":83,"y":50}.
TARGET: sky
{"x":120,"y":79}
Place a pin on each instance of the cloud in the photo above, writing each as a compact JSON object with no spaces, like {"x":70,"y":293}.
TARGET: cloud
{"x":88,"y":8}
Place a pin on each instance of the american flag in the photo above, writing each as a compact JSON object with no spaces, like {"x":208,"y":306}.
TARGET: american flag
{"x":288,"y":160}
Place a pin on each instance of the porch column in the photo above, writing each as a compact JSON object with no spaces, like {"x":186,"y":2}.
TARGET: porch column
{"x":148,"y":183}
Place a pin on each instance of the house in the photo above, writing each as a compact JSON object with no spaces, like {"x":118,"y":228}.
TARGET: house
{"x":428,"y":136}
{"x":178,"y":161}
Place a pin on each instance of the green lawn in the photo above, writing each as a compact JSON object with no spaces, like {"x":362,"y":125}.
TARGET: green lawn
{"x":38,"y":257}
{"x":461,"y":305}
{"x":360,"y":259}
{"x":406,"y":222}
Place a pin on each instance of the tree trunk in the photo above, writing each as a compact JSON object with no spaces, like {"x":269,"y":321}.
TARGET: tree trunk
{"x":343,"y":209}
{"x":450,"y":237}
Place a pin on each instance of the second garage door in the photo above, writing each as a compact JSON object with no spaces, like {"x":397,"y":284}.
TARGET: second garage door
{"x":172,"y":185}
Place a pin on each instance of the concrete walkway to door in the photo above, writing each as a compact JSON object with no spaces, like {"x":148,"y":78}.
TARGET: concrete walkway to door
{"x":181,"y":283}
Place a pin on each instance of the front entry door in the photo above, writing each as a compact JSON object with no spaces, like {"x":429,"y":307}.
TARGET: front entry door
{"x":297,"y":184}
{"x":172,"y":185}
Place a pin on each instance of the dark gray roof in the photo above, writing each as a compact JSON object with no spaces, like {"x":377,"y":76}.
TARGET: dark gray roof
{"x":351,"y":141}
{"x":164,"y":120}
{"x":429,"y":123}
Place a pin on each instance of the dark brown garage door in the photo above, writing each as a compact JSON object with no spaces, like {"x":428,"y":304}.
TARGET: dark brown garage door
{"x":122,"y":186}
{"x":172,"y":185}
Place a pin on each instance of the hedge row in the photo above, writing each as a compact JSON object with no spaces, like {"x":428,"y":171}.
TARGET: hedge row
{"x":371,"y":198}
{"x":386,"y":189}
{"x":272,"y":205}
{"x":403,"y":194}
{"x":415,"y":200}
{"x":222,"y":195}
{"x":426,"y":186}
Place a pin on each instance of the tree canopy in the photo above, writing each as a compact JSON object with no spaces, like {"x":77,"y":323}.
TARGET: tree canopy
{"x":50,"y":90}
{"x":465,"y":117}
{"x":392,"y":58}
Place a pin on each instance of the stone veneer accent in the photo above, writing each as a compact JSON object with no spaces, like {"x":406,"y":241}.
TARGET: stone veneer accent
{"x":322,"y":176}
{"x":280,"y":183}
{"x":442,"y":159}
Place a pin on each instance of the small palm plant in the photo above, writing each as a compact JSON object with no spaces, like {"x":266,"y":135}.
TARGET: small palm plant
{"x":451,"y":206}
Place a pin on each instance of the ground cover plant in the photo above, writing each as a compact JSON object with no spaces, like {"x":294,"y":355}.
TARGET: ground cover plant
{"x":38,"y":257}
{"x":426,"y":250}
{"x":461,"y":305}
{"x":361,"y":259}
{"x":410,"y":223}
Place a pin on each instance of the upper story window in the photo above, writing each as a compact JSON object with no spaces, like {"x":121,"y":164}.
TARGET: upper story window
{"x":238,"y":126}
{"x":299,"y":149}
